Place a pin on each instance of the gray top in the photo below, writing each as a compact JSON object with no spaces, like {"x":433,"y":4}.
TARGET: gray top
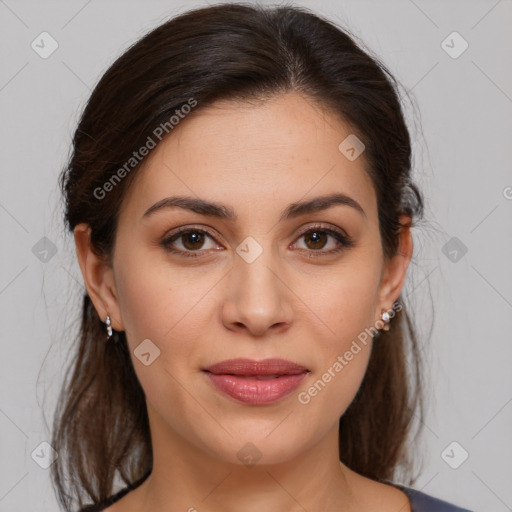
{"x":421,"y":502}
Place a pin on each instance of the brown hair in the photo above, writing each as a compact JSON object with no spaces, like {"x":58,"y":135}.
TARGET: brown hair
{"x":228,"y":51}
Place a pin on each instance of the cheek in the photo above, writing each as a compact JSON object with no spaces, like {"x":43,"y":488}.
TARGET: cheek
{"x":345,"y":305}
{"x":158,"y":301}
{"x":340,"y":371}
{"x":169,"y":307}
{"x":342,"y":302}
{"x":173,"y":308}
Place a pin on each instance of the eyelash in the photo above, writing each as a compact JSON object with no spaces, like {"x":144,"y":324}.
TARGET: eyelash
{"x":345,"y":241}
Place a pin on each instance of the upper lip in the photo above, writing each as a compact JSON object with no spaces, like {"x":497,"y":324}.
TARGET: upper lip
{"x":252,"y":367}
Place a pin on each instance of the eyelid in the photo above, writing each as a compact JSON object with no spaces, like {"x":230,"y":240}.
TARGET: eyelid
{"x":168,"y":237}
{"x":324,"y":226}
{"x":344,"y":240}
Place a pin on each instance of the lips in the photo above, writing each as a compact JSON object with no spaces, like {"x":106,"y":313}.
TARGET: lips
{"x":256,"y":382}
{"x":251,"y":368}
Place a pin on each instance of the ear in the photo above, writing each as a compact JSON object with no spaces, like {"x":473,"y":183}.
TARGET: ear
{"x":98,"y":278}
{"x":395,"y":268}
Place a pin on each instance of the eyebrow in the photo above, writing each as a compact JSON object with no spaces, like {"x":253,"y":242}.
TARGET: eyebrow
{"x":221,"y":211}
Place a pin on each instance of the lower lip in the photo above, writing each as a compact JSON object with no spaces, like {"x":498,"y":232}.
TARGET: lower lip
{"x":254,"y":391}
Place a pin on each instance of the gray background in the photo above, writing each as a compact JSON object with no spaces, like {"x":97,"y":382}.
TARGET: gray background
{"x":461,"y":123}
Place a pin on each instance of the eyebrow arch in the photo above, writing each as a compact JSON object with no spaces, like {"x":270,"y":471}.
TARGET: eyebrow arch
{"x":221,"y":211}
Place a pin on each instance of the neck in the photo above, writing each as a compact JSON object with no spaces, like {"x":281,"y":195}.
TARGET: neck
{"x":189,"y":479}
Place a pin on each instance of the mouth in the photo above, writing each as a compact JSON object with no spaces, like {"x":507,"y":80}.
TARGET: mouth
{"x":256,"y":382}
{"x":251,"y":368}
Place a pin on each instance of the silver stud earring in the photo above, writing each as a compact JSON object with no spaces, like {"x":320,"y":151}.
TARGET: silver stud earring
{"x":109,"y":327}
{"x":386,"y":319}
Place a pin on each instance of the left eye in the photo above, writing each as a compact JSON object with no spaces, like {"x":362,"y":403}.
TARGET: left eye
{"x":316,"y":239}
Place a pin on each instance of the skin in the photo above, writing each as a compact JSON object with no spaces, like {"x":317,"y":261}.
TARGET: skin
{"x":257,"y":159}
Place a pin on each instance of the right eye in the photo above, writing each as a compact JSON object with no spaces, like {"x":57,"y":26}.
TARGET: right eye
{"x":190,"y":239}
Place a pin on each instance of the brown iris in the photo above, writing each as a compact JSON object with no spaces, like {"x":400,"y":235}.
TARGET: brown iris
{"x":193,"y":240}
{"x":318,"y":237}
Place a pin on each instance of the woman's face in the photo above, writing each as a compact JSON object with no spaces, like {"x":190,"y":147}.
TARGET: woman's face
{"x":269,"y":280}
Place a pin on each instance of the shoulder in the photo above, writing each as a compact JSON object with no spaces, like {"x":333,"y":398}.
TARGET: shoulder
{"x":108,"y":505}
{"x":99,"y":507}
{"x":422,"y":502}
{"x":111,"y":504}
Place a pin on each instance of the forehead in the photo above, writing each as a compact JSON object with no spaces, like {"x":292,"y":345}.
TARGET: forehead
{"x":252,"y":153}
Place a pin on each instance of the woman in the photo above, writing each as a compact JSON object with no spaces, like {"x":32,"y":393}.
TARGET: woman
{"x":241,"y":202}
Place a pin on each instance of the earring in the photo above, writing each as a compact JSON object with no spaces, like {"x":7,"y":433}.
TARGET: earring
{"x":109,"y":327}
{"x":386,"y":319}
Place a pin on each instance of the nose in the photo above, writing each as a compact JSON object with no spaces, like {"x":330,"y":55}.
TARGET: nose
{"x":258,"y":298}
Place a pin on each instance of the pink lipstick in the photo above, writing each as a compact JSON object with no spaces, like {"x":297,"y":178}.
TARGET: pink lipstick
{"x":256,"y":382}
